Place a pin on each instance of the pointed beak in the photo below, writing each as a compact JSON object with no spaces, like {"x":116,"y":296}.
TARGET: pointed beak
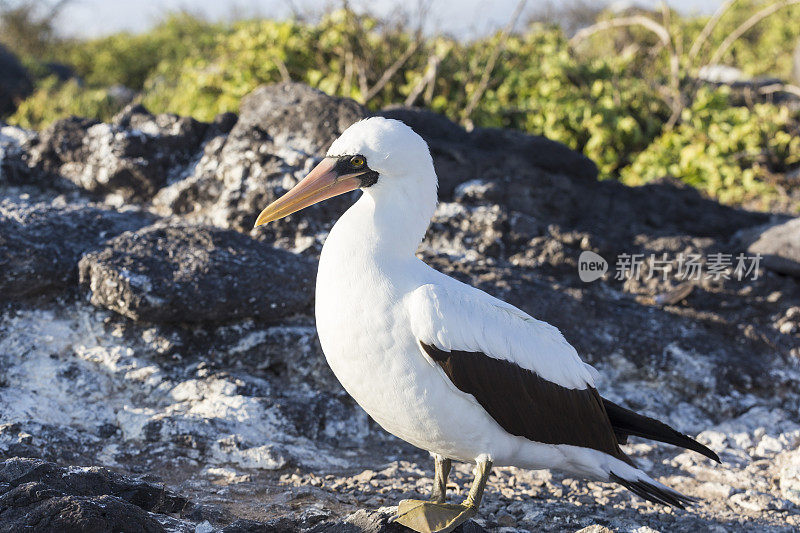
{"x":321,"y":183}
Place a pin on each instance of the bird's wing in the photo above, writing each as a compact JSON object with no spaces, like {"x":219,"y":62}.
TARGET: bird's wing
{"x":521,"y":370}
{"x":456,"y":316}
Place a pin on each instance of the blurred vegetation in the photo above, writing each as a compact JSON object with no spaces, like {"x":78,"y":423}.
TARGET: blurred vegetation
{"x":729,"y":152}
{"x":54,"y":99}
{"x":623,"y":92}
{"x":130,"y":60}
{"x":28,"y":28}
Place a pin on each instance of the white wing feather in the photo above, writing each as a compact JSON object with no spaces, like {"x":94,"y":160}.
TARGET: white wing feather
{"x":455,"y":316}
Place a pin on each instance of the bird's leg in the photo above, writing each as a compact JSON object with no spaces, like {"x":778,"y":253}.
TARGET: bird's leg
{"x":439,"y":517}
{"x":442,"y":471}
{"x":482,"y":471}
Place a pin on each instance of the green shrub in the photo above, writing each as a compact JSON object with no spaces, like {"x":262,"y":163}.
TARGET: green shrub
{"x":605,"y":98}
{"x":588,"y":106}
{"x":129,"y":59}
{"x":538,"y":86}
{"x":728,"y":152}
{"x":53,"y":100}
{"x":203,"y":85}
{"x":764,"y":50}
{"x":267,"y":51}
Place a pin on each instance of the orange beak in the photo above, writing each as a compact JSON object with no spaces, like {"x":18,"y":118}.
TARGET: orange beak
{"x":321,"y":183}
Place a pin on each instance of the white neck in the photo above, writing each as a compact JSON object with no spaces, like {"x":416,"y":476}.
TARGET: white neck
{"x":388,"y":222}
{"x":368,"y":264}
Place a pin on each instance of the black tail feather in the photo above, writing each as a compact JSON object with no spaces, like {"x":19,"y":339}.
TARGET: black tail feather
{"x":626,"y":422}
{"x":648,"y":491}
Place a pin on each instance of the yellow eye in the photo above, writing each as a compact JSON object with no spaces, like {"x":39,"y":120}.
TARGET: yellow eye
{"x":357,"y":161}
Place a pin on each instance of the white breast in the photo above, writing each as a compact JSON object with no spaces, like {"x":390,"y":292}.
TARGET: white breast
{"x":364,"y":330}
{"x":364,"y":326}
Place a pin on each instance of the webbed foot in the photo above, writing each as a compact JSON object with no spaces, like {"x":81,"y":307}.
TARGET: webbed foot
{"x":430,"y":517}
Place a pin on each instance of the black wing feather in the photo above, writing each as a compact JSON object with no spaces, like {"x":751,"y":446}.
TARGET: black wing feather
{"x":626,"y":422}
{"x":527,"y":405}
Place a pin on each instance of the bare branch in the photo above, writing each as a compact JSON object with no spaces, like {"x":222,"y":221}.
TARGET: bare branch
{"x":363,"y":83}
{"x":392,"y":70}
{"x":421,"y":13}
{"x":347,"y":78}
{"x":487,"y":72}
{"x":637,"y":20}
{"x":709,"y":27}
{"x":57,"y":7}
{"x":673,"y":97}
{"x":746,"y":25}
{"x":676,"y":101}
{"x":296,"y":13}
{"x":665,"y":14}
{"x":426,"y":80}
{"x":780,"y":87}
{"x":285,"y":76}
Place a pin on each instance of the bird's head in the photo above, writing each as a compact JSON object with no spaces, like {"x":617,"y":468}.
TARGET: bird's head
{"x":381,"y":156}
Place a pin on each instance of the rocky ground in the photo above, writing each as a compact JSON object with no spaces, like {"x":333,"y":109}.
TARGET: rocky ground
{"x":159,"y":368}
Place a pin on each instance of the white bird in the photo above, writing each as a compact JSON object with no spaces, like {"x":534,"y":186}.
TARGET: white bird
{"x":443,"y":365}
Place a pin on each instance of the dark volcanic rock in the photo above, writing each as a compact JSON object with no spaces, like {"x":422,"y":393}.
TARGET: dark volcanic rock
{"x":297,"y":116}
{"x":534,"y":205}
{"x":488,"y":154}
{"x":178,"y":137}
{"x":41,"y":496}
{"x":62,"y":71}
{"x":284,"y":129}
{"x":15,"y":84}
{"x":552,"y":184}
{"x":282,"y":525}
{"x":40,"y":244}
{"x":20,"y":167}
{"x":281,"y":133}
{"x":133,"y":157}
{"x":779,"y":245}
{"x":377,"y":521}
{"x":37,"y":495}
{"x":663,"y":207}
{"x":196,"y":274}
{"x":34,"y":507}
{"x":13,"y":169}
{"x":63,"y":140}
{"x":90,"y":481}
{"x":246,"y":416}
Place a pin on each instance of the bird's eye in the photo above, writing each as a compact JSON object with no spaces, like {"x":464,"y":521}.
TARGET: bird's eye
{"x":357,"y":161}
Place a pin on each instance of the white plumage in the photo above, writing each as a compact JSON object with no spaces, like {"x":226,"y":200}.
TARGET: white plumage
{"x":378,"y":305}
{"x":375,"y":300}
{"x":454,"y":316}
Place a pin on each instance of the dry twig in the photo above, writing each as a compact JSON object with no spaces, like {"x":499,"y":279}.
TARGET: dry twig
{"x":709,"y":27}
{"x":487,"y":72}
{"x":637,"y":20}
{"x":674,"y":100}
{"x":285,"y":76}
{"x":427,"y":80}
{"x":746,"y":25}
{"x":780,"y":87}
{"x":674,"y":72}
{"x":392,"y":70}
